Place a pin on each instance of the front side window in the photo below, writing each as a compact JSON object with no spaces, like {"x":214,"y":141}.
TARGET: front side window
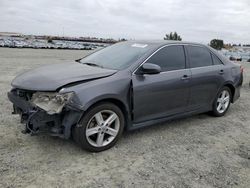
{"x":216,"y":60}
{"x":199,"y":56}
{"x":169,"y":58}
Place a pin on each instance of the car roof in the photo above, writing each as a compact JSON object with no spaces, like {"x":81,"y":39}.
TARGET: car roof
{"x":162,"y":42}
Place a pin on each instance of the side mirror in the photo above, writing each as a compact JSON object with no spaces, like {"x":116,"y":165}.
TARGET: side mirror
{"x":149,"y":68}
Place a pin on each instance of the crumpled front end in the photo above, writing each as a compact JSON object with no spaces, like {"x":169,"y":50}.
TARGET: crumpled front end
{"x":50,"y":112}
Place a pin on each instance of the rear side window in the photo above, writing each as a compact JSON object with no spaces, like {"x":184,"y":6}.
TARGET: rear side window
{"x":169,"y":58}
{"x":216,"y":60}
{"x":199,"y":56}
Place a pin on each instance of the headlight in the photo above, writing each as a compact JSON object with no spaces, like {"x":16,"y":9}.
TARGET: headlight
{"x":51,"y":102}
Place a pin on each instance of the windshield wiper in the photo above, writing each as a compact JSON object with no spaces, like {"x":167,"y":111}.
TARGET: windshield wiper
{"x":93,"y":64}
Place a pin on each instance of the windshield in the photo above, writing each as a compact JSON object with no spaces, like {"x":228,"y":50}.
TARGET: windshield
{"x":118,"y":56}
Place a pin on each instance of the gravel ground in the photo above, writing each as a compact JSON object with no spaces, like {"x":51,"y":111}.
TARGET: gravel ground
{"x":199,"y":151}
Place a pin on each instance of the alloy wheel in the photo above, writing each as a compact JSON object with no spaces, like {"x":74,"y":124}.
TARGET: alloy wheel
{"x":223,"y":101}
{"x":102,"y":128}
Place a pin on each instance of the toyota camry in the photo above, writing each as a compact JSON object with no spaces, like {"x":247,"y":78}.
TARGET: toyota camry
{"x":126,"y":86}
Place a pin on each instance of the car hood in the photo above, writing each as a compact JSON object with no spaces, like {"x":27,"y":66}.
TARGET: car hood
{"x":52,"y":77}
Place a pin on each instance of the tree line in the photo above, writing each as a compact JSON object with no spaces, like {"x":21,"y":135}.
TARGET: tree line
{"x":217,"y":44}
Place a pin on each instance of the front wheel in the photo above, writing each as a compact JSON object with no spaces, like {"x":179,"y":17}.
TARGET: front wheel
{"x":100,"y":127}
{"x":222,"y":102}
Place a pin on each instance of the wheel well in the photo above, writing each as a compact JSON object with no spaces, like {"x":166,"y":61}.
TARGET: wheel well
{"x":231,"y":87}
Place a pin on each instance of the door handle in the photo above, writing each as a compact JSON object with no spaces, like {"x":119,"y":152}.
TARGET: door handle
{"x":221,"y":72}
{"x":185,"y":77}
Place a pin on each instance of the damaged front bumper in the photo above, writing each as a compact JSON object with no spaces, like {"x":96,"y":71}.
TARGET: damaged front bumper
{"x":37,"y":120}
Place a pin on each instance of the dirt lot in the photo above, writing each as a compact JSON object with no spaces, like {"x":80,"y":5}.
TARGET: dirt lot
{"x":199,"y":151}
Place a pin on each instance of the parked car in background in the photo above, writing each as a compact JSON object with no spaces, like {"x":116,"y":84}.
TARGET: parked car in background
{"x":235,"y":58}
{"x":128,"y":85}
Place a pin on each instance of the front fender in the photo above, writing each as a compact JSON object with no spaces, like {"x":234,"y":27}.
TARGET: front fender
{"x":105,"y":97}
{"x":89,"y":93}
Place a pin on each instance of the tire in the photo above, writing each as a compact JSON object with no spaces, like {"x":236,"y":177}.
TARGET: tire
{"x":221,"y":110}
{"x":100,"y":127}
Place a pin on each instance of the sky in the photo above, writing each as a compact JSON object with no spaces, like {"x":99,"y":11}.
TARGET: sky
{"x":194,"y":20}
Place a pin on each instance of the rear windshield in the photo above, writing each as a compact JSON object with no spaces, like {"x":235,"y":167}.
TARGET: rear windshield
{"x":118,"y":56}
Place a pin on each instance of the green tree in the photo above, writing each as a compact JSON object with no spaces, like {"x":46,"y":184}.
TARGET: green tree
{"x":217,"y":44}
{"x":172,"y":36}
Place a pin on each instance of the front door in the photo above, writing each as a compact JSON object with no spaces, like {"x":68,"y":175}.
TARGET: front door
{"x":164,"y":94}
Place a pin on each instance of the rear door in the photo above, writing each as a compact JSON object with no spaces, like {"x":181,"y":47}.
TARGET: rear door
{"x":166,"y":93}
{"x":207,"y":76}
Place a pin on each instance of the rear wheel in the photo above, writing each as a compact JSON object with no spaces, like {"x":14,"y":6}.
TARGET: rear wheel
{"x":100,"y":127}
{"x":222,"y":102}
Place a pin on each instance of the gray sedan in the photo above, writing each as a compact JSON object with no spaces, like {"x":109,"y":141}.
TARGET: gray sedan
{"x":128,"y":85}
